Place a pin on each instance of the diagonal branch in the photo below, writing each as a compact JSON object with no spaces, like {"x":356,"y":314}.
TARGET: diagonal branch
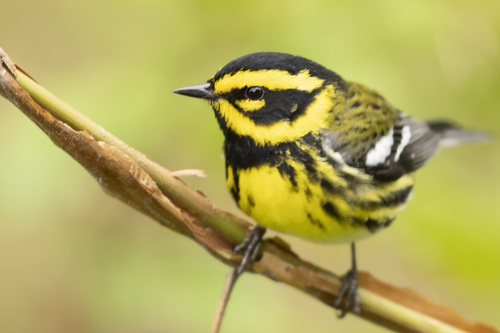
{"x":131,"y":177}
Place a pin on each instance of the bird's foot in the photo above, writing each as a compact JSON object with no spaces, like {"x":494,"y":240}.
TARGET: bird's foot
{"x":347,"y":299}
{"x":249,"y":248}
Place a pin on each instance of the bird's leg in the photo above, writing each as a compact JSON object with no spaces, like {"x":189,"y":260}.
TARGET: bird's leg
{"x":348,"y":299}
{"x":250,"y":248}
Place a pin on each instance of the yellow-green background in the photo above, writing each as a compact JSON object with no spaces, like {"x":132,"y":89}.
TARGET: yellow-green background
{"x":74,"y":260}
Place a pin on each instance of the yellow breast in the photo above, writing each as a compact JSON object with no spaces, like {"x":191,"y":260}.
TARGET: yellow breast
{"x":273,"y":202}
{"x":307,"y":210}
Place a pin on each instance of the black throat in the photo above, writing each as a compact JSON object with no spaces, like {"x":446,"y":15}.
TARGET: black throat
{"x":242,"y":152}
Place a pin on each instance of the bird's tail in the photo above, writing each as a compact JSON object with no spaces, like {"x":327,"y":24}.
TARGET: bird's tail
{"x":452,"y":134}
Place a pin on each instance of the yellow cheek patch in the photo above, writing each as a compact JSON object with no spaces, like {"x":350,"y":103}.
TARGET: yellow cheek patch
{"x":272,"y":79}
{"x":249,"y":105}
{"x":313,"y":120}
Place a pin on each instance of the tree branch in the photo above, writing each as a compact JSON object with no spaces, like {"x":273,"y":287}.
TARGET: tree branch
{"x":131,"y":177}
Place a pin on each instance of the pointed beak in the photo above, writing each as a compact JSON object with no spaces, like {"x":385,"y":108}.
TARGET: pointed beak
{"x":204,"y":91}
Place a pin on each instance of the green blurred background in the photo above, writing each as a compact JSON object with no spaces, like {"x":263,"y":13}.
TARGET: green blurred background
{"x":75,"y":260}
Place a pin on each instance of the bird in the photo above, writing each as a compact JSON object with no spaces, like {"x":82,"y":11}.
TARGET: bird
{"x":310,"y":154}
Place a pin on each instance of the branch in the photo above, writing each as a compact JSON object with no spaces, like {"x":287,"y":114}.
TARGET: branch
{"x":131,"y":177}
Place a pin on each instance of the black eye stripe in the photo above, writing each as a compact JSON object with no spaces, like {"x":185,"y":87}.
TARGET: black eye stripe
{"x":254,"y":93}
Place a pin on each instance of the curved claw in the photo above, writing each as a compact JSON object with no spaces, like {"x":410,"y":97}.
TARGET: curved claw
{"x":348,"y":299}
{"x":250,"y":248}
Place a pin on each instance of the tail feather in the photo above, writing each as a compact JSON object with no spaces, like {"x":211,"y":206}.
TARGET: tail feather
{"x":453,"y":135}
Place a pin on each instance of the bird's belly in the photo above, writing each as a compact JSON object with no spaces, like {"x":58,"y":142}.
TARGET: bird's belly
{"x":303,"y":209}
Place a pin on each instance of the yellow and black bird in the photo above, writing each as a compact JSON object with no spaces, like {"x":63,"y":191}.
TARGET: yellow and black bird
{"x":310,"y":154}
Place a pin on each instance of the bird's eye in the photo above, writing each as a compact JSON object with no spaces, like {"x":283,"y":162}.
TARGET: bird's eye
{"x":254,"y":93}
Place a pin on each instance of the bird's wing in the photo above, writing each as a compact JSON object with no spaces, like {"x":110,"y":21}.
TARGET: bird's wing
{"x":418,"y":144}
{"x":405,"y":148}
{"x":386,"y":150}
{"x":361,"y":129}
{"x":371,"y":135}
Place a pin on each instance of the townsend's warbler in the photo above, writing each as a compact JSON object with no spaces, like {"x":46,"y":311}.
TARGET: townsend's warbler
{"x":310,"y":154}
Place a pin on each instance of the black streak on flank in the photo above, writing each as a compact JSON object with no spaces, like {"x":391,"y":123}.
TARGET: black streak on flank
{"x":315,"y":222}
{"x":306,"y":159}
{"x":235,"y":190}
{"x":373,"y":225}
{"x":388,"y":223}
{"x":393,"y":199}
{"x":251,"y":201}
{"x":288,"y":171}
{"x":327,"y":186}
{"x":331,"y":210}
{"x":308,"y":193}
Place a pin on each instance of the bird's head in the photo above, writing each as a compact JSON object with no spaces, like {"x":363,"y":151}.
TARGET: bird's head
{"x":270,"y":97}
